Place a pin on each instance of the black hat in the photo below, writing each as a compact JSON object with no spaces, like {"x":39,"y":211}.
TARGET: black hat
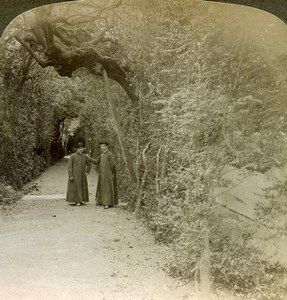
{"x":104,"y":143}
{"x":80,"y":145}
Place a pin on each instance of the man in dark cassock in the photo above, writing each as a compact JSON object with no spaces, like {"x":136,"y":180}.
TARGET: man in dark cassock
{"x":107,"y":183}
{"x":79,"y":167}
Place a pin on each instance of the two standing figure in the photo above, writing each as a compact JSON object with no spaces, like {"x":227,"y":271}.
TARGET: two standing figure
{"x":79,"y":167}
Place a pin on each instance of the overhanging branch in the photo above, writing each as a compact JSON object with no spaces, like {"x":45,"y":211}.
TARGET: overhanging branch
{"x":39,"y":60}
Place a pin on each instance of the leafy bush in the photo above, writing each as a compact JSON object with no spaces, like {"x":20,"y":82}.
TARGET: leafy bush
{"x":8,"y":195}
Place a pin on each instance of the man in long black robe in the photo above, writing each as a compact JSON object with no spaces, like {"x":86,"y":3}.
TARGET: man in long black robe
{"x":107,"y":187}
{"x":79,"y":167}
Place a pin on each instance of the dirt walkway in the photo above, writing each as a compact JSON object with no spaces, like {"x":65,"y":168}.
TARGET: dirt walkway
{"x":50,"y":250}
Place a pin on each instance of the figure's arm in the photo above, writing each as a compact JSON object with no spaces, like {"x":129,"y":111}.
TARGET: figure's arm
{"x":94,"y":161}
{"x":88,"y":165}
{"x":112,"y":162}
{"x":70,"y":167}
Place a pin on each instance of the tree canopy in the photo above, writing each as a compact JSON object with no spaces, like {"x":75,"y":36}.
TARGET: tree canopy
{"x":69,"y":39}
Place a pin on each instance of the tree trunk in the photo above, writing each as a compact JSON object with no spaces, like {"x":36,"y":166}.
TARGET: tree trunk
{"x":125,"y":151}
{"x":204,"y":265}
{"x":142,"y":182}
{"x":157,"y":174}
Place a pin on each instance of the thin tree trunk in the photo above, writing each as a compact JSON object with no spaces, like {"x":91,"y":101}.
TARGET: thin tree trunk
{"x":204,"y":265}
{"x":204,"y":262}
{"x":125,"y":151}
{"x":164,"y":163}
{"x":143,"y":180}
{"x":157,"y":175}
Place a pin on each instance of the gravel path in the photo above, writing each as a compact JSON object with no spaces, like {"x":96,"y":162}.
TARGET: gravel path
{"x":50,"y":250}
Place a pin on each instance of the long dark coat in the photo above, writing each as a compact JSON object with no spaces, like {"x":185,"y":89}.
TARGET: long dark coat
{"x":78,"y":166}
{"x":107,"y":183}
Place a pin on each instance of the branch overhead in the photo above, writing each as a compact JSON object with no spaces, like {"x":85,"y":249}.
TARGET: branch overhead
{"x":58,"y":41}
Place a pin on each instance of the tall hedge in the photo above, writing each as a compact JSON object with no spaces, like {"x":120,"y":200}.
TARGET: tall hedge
{"x":29,"y":128}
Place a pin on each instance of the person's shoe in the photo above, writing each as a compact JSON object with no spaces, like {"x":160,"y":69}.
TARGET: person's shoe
{"x":72,"y":204}
{"x":82,"y":203}
{"x":106,"y":207}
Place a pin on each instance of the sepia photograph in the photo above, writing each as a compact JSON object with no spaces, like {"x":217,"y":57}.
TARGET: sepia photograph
{"x":143,"y":150}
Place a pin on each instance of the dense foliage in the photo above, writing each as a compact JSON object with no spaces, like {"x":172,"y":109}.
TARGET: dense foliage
{"x":33,"y":105}
{"x":217,"y":102}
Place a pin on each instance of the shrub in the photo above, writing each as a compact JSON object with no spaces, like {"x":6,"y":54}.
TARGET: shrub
{"x":8,"y":195}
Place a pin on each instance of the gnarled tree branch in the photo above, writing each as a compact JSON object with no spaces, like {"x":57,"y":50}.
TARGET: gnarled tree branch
{"x":38,"y":59}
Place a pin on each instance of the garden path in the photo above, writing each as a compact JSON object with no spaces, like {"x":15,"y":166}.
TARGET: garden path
{"x":50,"y":250}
